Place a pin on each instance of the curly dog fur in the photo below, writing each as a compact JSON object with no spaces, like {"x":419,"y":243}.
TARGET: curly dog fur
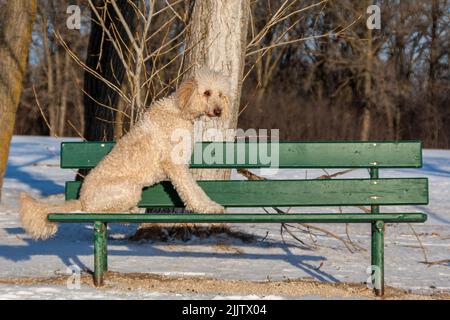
{"x":143,"y":157}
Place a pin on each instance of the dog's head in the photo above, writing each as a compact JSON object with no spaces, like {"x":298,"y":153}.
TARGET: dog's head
{"x":207,"y":93}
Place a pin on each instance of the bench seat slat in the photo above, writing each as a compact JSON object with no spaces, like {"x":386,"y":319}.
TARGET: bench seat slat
{"x":239,"y":217}
{"x":266,"y":193}
{"x":346,"y":154}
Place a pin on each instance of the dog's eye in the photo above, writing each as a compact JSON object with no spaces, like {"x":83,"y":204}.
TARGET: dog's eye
{"x":220,"y":95}
{"x":207,"y":93}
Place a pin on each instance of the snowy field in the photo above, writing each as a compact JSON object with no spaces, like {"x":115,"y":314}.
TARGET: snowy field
{"x":33,"y":167}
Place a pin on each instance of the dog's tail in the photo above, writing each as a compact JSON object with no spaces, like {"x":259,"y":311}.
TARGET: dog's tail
{"x":33,"y":215}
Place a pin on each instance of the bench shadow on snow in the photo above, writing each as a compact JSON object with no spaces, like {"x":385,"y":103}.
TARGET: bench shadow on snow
{"x":432,"y":166}
{"x":75,"y":240}
{"x":436,"y":166}
{"x":433,"y":216}
{"x":37,"y":181}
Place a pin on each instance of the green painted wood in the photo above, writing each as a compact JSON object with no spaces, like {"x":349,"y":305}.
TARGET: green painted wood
{"x":238,"y":217}
{"x":266,"y":193}
{"x":287,"y":155}
{"x":374,"y":175}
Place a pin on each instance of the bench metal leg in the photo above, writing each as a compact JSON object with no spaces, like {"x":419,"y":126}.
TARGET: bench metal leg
{"x":105,"y":250}
{"x":378,"y":257}
{"x":100,"y":252}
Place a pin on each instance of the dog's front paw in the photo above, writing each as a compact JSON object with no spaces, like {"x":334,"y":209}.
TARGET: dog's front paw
{"x":210,"y":207}
{"x":215,"y":208}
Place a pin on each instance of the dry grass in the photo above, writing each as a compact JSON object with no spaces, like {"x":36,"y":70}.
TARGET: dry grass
{"x":197,"y":285}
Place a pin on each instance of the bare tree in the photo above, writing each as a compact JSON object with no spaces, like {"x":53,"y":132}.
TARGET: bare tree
{"x":16,"y":24}
{"x":305,"y":59}
{"x":52,"y":78}
{"x":217,"y":40}
{"x":108,"y":45}
{"x":368,"y":72}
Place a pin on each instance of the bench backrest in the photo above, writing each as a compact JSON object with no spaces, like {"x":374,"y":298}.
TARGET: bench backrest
{"x":265,"y":193}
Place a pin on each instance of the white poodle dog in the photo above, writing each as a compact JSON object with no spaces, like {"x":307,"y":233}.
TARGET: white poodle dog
{"x":142,"y":158}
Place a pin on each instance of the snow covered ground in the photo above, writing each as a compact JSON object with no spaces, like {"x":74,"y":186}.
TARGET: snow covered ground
{"x":45,"y":292}
{"x":33,"y":167}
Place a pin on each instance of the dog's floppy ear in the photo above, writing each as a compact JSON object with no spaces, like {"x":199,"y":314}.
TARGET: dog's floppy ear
{"x":185,"y":92}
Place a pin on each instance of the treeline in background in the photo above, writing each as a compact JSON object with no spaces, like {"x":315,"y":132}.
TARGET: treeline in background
{"x":312,"y":69}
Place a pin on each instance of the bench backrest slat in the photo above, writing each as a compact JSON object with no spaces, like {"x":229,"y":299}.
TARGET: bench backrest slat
{"x":266,"y":193}
{"x":291,"y":154}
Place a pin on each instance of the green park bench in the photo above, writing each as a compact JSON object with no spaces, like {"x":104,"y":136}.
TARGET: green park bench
{"x":373,"y":191}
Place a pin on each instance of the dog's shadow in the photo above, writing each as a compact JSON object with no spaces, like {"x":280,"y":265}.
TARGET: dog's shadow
{"x":74,"y":243}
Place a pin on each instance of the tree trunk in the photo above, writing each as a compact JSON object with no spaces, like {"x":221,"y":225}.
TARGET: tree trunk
{"x":367,"y":116}
{"x":218,"y":40}
{"x":16,"y":25}
{"x":64,"y":93}
{"x":433,"y":116}
{"x":99,"y":99}
{"x":49,"y":65}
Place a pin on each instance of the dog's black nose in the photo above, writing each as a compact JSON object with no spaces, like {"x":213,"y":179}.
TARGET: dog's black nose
{"x":217,"y":112}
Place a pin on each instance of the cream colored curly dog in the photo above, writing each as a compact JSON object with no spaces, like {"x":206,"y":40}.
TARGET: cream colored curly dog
{"x":142,"y":158}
